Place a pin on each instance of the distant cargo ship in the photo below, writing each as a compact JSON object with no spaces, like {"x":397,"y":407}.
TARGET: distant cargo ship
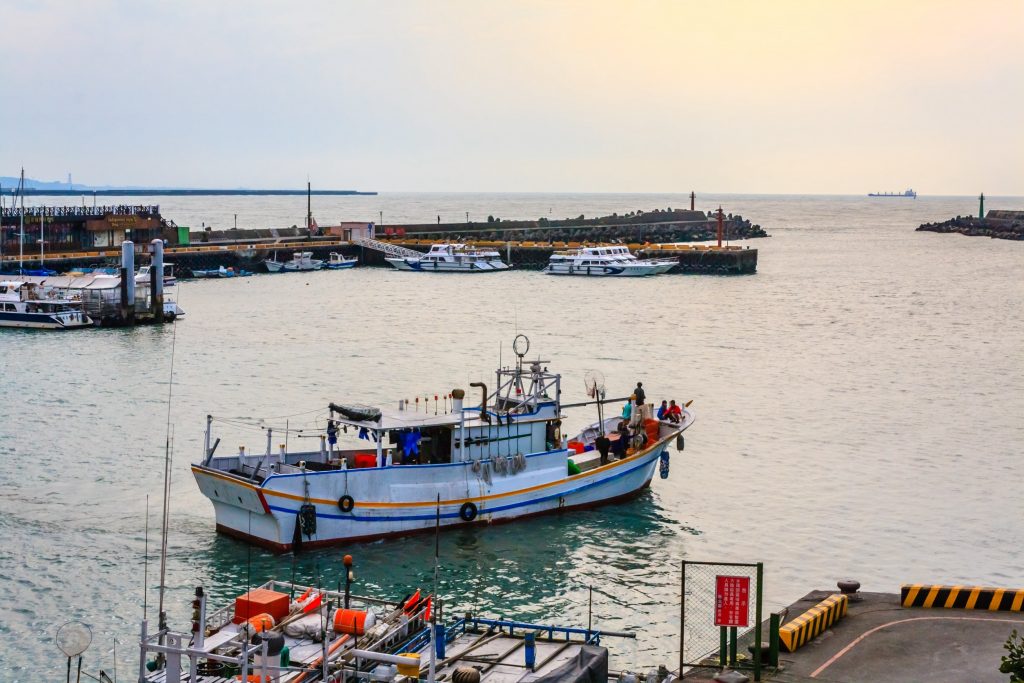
{"x":905,"y":193}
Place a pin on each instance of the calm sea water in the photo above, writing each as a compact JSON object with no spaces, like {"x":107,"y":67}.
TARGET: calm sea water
{"x":859,"y":407}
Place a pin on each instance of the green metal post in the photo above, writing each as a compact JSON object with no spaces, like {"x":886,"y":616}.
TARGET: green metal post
{"x":757,"y":622}
{"x":723,"y":646}
{"x":774,"y":622}
{"x":981,"y":205}
{"x":732,"y":646}
{"x":682,"y":617}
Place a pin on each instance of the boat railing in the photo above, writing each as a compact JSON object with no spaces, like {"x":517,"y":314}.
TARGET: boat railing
{"x":509,"y":627}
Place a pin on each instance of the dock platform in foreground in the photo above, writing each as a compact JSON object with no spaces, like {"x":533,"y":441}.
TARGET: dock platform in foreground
{"x":880,"y":640}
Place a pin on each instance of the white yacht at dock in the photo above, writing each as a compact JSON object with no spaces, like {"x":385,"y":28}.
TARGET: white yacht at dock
{"x":502,"y":459}
{"x":24,"y":304}
{"x":606,"y":261}
{"x":451,"y":258}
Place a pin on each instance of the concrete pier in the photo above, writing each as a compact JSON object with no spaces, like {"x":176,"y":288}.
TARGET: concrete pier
{"x":879,"y":639}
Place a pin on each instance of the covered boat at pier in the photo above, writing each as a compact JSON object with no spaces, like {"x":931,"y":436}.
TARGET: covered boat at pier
{"x":25,"y":304}
{"x":502,"y":459}
{"x":451,"y":258}
{"x":606,"y":261}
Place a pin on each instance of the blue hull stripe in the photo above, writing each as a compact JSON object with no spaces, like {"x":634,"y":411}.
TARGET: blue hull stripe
{"x":450,"y":515}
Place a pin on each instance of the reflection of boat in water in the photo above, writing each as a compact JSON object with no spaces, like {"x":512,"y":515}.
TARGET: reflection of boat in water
{"x":338,"y":261}
{"x":906,"y":193}
{"x":605,"y":262}
{"x":502,"y":460}
{"x":23,"y":304}
{"x":451,"y":258}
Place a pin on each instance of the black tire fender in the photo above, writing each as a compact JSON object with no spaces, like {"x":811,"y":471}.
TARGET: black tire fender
{"x":468,"y":512}
{"x":346,"y":503}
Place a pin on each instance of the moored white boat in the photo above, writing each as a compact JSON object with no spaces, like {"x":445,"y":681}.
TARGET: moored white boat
{"x":451,"y":258}
{"x":23,"y":304}
{"x":338,"y":261}
{"x":498,"y":461}
{"x":607,"y":261}
{"x":142,"y":275}
{"x":304,"y":261}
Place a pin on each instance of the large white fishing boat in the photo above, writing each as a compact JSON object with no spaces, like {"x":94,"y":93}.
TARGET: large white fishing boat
{"x":500,"y":460}
{"x":23,"y":304}
{"x":452,"y":258}
{"x":605,"y":261}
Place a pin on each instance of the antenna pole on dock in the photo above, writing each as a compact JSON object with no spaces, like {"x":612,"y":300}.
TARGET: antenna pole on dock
{"x":981,"y":205}
{"x":693,"y":199}
{"x":309,"y":205}
{"x":720,"y":219}
{"x":21,"y":234}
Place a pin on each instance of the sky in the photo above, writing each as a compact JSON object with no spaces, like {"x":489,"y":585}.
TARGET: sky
{"x":748,"y":96}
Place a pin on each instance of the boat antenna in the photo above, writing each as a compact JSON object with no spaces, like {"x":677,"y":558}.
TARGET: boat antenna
{"x":21,"y":234}
{"x":168,"y":453}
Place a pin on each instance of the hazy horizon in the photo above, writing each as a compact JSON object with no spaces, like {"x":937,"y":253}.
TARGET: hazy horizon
{"x":792,"y":97}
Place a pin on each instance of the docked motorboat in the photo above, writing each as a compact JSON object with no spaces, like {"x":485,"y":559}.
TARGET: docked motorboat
{"x":451,"y":258}
{"x":287,"y":632}
{"x":606,"y":261}
{"x":24,"y":304}
{"x":303,"y":261}
{"x":338,"y":261}
{"x":142,"y":276}
{"x":221,"y":272}
{"x":502,"y":459}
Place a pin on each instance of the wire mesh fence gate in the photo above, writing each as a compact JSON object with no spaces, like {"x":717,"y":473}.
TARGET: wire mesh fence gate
{"x":720,"y":612}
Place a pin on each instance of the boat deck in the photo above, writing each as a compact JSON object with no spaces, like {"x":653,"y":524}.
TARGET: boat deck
{"x":500,"y":656}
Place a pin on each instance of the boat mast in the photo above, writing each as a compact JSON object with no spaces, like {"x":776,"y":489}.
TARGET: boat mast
{"x":21,"y":234}
{"x":309,"y":205}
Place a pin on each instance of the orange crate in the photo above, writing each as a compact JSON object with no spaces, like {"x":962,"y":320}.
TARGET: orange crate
{"x":260,"y":601}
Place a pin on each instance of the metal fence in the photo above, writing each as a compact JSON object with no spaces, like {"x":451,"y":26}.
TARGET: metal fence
{"x":717,"y":593}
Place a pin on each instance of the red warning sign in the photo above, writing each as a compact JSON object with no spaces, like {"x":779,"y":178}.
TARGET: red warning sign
{"x":732,"y":600}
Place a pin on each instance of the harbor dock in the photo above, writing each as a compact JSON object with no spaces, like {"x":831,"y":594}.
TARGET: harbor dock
{"x":953,"y":634}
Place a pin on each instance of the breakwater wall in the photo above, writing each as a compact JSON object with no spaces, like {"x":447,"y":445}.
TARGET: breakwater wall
{"x":637,"y":228}
{"x":997,"y":224}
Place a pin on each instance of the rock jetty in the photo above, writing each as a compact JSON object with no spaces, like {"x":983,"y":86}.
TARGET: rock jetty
{"x":998,"y":224}
{"x":659,"y":225}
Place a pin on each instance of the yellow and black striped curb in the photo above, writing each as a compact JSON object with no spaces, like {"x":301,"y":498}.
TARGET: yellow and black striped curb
{"x":962,"y":597}
{"x":813,"y":622}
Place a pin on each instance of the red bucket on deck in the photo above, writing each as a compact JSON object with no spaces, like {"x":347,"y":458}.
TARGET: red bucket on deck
{"x":576,"y":447}
{"x":366,"y":460}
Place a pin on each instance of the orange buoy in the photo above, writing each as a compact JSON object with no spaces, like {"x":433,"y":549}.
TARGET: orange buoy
{"x":353,"y":622}
{"x":260,"y":622}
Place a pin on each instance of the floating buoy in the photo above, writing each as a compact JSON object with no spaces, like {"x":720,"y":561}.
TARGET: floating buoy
{"x":353,"y":622}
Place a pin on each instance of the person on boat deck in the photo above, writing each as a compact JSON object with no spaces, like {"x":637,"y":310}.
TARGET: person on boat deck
{"x":638,"y":394}
{"x":332,"y":435}
{"x":663,"y":410}
{"x":602,"y":444}
{"x":623,"y":441}
{"x":627,"y":410}
{"x":675,"y":413}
